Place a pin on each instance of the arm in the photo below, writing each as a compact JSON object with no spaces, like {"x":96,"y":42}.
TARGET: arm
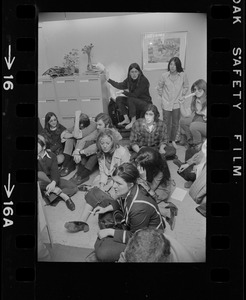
{"x":164,"y":137}
{"x":141,"y":89}
{"x":76,"y":130}
{"x":118,"y":85}
{"x":185,"y":85}
{"x":134,"y":137}
{"x":103,"y":177}
{"x":160,"y":86}
{"x":138,"y":219}
{"x":185,"y":111}
{"x":54,"y":173}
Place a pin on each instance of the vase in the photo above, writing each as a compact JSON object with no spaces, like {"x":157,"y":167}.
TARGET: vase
{"x":89,"y":65}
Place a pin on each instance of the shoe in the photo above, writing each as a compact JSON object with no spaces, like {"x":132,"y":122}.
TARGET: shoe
{"x":201,"y":211}
{"x":173,"y":213}
{"x":76,"y":226}
{"x":65,"y":171}
{"x":91,"y":257}
{"x":83,"y":188}
{"x":70,"y":204}
{"x":83,"y":177}
{"x":177,"y":162}
{"x":188,"y":184}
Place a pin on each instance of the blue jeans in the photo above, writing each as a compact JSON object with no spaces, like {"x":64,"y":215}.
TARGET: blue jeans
{"x":171,"y":119}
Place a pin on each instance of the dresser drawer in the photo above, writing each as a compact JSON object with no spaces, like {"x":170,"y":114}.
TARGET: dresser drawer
{"x":67,"y":121}
{"x":46,"y":90}
{"x":45,"y":106}
{"x":92,"y":106}
{"x":69,"y":106}
{"x":90,"y":87}
{"x":66,"y":88}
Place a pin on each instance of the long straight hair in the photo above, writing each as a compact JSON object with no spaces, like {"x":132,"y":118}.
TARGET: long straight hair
{"x":201,"y":85}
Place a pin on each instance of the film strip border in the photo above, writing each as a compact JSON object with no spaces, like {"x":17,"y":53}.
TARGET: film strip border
{"x":223,"y":271}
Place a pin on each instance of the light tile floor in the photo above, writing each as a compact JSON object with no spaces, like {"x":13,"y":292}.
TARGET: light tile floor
{"x":190,"y":227}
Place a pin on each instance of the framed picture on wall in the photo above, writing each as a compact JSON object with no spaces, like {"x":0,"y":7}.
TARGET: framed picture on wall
{"x":159,"y":48}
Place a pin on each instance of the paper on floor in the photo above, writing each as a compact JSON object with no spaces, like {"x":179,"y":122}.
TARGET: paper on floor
{"x":178,"y":194}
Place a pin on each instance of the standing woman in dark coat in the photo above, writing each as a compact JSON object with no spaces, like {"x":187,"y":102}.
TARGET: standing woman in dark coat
{"x":52,"y":133}
{"x":135,"y":94}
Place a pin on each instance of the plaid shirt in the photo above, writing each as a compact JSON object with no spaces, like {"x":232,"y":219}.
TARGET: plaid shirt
{"x":142,"y":137}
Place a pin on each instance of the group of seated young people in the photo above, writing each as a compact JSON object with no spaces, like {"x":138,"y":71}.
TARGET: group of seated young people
{"x":136,"y":176}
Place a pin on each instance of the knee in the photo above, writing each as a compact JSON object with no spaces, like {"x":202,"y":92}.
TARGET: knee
{"x":102,"y":252}
{"x":193,"y":126}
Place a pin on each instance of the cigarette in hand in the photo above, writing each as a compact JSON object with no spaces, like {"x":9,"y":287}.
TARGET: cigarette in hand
{"x":187,"y":96}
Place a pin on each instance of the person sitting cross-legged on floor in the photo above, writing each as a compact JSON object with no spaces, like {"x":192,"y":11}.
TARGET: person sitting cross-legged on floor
{"x":85,"y":154}
{"x":139,"y":210}
{"x":83,"y":126}
{"x":198,"y":190}
{"x":187,"y":169}
{"x":155,"y":177}
{"x":150,"y":131}
{"x":49,"y":178}
{"x":110,"y":155}
{"x":152,"y":245}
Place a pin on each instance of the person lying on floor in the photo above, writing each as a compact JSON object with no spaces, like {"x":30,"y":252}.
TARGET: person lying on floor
{"x":152,"y":245}
{"x":49,"y":178}
{"x":83,"y":126}
{"x":150,"y":131}
{"x":135,"y":94}
{"x":187,"y":169}
{"x":110,"y":155}
{"x":85,"y":154}
{"x":139,"y":210}
{"x":155,"y":177}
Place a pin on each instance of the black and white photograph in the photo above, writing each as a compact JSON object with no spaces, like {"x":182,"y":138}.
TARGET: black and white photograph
{"x":121,"y":149}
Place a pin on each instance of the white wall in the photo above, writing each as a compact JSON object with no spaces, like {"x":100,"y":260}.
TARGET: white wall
{"x":118,"y":42}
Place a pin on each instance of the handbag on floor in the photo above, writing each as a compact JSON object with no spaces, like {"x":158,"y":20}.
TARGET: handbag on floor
{"x":111,"y":219}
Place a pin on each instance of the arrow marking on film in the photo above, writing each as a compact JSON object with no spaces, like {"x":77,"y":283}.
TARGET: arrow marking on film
{"x":9,"y":191}
{"x":9,"y":62}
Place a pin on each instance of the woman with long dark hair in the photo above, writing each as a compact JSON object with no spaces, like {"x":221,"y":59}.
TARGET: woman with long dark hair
{"x":52,"y":133}
{"x":194,"y":122}
{"x":135,"y":94}
{"x":172,"y":85}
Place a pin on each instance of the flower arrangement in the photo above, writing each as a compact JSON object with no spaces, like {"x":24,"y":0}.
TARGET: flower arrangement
{"x":87,"y":50}
{"x":71,"y":60}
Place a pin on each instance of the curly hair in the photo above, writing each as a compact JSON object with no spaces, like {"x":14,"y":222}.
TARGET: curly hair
{"x":148,"y":245}
{"x":151,"y":161}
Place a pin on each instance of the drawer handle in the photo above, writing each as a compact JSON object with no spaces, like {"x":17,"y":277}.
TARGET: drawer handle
{"x":72,"y":100}
{"x":50,"y":100}
{"x":86,"y":80}
{"x":69,"y":80}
